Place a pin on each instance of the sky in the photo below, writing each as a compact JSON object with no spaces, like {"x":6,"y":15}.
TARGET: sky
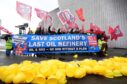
{"x":10,"y":18}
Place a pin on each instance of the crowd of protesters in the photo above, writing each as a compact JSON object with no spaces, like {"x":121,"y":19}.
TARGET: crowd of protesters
{"x":102,"y":38}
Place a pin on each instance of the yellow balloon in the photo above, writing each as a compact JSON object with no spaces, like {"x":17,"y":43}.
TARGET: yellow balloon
{"x":88,"y":69}
{"x":52,"y":80}
{"x":11,"y":73}
{"x":9,"y":78}
{"x":2,"y":69}
{"x":61,"y":76}
{"x":98,"y":69}
{"x":80,"y":73}
{"x":117,"y":73}
{"x":26,"y":62}
{"x":29,"y":76}
{"x":75,"y":56}
{"x":109,"y":74}
{"x":124,"y":70}
{"x":19,"y":78}
{"x":39,"y":79}
{"x":11,"y":69}
{"x":55,"y":71}
{"x":71,"y":68}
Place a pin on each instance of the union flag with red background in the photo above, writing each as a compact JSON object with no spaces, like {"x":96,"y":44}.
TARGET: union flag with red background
{"x":24,"y":10}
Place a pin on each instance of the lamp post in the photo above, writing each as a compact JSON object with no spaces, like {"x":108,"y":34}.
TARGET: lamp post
{"x":22,"y":28}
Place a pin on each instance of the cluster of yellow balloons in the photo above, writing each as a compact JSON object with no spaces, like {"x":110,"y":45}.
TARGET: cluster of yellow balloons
{"x":55,"y":71}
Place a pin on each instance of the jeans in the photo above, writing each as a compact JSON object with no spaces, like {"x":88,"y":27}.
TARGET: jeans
{"x":8,"y":52}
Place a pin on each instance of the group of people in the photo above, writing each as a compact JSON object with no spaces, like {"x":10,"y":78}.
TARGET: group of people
{"x":102,"y":38}
{"x":52,"y":30}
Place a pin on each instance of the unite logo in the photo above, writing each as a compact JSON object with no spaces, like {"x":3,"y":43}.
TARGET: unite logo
{"x":92,"y":40}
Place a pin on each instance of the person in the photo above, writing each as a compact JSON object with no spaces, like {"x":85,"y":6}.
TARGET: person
{"x":75,"y":30}
{"x":62,"y":30}
{"x":102,"y":46}
{"x":39,"y":31}
{"x":91,"y":32}
{"x":19,"y":50}
{"x":51,"y":30}
{"x":106,"y":38}
{"x":8,"y":46}
{"x":30,"y":31}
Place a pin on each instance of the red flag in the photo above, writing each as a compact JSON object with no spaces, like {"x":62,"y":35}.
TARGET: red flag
{"x":70,"y":17}
{"x":72,"y":25}
{"x":91,"y":26}
{"x":5,"y":30}
{"x":113,"y":36}
{"x":83,"y":30}
{"x":41,"y":14}
{"x":24,"y":10}
{"x":110,"y":30}
{"x":118,"y":32}
{"x":66,"y":17}
{"x":87,"y":31}
{"x":95,"y":28}
{"x":79,"y":12}
{"x":62,"y":17}
{"x":63,"y":29}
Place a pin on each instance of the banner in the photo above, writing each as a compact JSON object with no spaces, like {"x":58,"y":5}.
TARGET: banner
{"x":19,"y":44}
{"x":24,"y":10}
{"x":63,"y":43}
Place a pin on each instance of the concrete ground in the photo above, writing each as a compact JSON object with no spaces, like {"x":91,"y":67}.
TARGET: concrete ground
{"x":89,"y":79}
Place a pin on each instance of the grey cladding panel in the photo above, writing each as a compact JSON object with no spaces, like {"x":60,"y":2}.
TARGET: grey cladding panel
{"x":103,"y":13}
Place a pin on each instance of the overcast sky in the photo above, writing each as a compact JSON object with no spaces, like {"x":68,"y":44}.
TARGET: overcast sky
{"x":10,"y":18}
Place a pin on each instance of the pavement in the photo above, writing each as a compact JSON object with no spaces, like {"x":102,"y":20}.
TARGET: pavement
{"x":89,"y":79}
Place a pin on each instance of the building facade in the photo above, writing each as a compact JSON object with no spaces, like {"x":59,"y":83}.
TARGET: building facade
{"x":103,"y":13}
